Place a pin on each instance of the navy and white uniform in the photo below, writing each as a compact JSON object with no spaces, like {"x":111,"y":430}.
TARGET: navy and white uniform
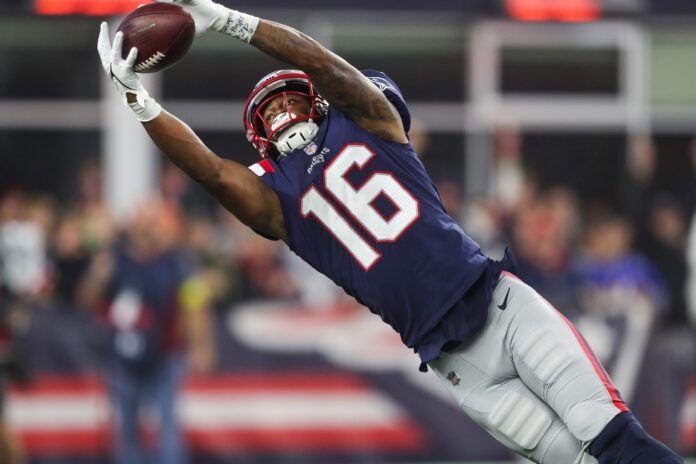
{"x":364,"y":212}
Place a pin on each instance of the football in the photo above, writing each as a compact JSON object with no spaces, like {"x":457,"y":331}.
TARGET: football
{"x":162,"y":33}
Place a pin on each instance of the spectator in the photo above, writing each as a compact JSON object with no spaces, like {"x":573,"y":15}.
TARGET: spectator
{"x":620,"y":293}
{"x":507,"y":184}
{"x":609,"y":272}
{"x":23,"y":262}
{"x":675,"y":345}
{"x":70,"y":258}
{"x":23,"y":272}
{"x":664,"y":243}
{"x":543,"y":234}
{"x":638,"y":185}
{"x":151,"y":304}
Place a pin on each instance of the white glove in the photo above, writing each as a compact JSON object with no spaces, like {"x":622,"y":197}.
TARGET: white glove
{"x":124,"y":78}
{"x":209,"y":15}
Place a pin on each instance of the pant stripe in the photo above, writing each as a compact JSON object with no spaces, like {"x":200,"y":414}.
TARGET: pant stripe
{"x":510,"y":275}
{"x":596,"y":364}
{"x":606,"y":380}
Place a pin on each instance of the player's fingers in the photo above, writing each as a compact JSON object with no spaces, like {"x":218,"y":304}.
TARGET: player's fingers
{"x":104,"y":44}
{"x":132,"y":56}
{"x":116,"y":47}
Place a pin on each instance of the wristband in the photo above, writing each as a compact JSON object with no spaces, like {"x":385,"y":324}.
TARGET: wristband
{"x":145,"y":108}
{"x":239,"y":25}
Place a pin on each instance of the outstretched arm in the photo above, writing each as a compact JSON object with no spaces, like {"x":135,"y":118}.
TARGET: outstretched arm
{"x":238,"y":189}
{"x":232,"y":184}
{"x":337,"y":80}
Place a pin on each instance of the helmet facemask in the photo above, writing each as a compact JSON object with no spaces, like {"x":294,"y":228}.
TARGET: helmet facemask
{"x":288,"y":131}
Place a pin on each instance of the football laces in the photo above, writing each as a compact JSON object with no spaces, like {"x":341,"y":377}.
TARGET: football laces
{"x":150,"y":62}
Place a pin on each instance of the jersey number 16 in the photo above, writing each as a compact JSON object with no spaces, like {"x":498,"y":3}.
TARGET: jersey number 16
{"x":358,"y":204}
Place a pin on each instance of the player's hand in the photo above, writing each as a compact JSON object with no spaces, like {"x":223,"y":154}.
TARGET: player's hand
{"x":207,"y":14}
{"x":119,"y":70}
{"x":123,"y":76}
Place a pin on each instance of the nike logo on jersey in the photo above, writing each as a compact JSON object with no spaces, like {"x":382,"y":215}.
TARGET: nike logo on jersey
{"x":505,"y":301}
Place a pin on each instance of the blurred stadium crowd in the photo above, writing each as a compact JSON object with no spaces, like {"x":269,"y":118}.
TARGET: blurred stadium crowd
{"x":625,"y":274}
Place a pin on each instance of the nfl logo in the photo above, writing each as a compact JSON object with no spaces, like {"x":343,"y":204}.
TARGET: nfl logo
{"x":454,"y":378}
{"x":311,"y":148}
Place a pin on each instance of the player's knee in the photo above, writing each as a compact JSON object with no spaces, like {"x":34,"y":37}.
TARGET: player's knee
{"x":587,"y":419}
{"x":521,"y":420}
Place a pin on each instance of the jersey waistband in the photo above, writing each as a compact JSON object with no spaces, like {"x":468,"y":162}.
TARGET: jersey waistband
{"x":468,"y":316}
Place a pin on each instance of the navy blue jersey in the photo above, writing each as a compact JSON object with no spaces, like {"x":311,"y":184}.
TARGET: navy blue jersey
{"x":364,"y":212}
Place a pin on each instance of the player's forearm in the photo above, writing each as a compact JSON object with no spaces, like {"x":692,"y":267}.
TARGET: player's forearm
{"x":291,"y":46}
{"x":238,"y":189}
{"x":334,"y":77}
{"x":183,"y":147}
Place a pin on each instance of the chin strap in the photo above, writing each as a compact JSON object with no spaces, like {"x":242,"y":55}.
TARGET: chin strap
{"x":296,"y":136}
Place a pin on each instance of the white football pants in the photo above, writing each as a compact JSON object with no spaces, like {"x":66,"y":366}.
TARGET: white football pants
{"x":530,"y":379}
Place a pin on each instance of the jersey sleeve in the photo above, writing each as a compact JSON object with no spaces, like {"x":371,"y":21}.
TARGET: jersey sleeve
{"x":392,"y":92}
{"x":264,"y":169}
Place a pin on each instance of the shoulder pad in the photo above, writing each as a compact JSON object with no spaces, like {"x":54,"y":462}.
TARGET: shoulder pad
{"x":392,"y":92}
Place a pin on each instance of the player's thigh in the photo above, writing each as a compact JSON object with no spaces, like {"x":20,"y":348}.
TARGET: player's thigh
{"x":554,"y":361}
{"x":509,"y":411}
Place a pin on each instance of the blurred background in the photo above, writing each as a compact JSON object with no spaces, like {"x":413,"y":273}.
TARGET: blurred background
{"x":137,"y":317}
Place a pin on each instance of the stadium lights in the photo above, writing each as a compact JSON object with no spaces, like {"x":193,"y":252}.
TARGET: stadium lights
{"x":554,"y":10}
{"x":86,"y":7}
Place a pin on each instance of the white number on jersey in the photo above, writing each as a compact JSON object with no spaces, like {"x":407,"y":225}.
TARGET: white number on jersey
{"x":358,"y":203}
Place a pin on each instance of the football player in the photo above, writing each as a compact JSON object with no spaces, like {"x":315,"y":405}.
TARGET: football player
{"x":340,"y":184}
